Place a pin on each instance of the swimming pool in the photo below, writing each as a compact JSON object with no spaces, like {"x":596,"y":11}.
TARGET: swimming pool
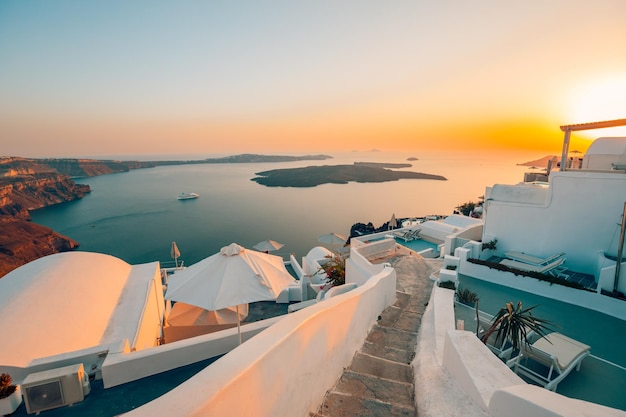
{"x":603,"y":375}
{"x":418,"y":245}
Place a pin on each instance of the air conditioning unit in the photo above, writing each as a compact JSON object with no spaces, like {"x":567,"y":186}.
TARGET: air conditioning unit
{"x":55,"y":388}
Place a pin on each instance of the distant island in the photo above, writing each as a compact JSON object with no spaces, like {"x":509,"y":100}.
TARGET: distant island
{"x":337,"y":174}
{"x":383,"y":165}
{"x":538,"y":163}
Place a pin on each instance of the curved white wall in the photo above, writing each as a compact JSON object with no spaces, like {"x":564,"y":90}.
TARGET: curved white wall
{"x":286,"y":369}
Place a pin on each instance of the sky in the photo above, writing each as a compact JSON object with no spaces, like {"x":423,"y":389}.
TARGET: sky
{"x":89,"y":78}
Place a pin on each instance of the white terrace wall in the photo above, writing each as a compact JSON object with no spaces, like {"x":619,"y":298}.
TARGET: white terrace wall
{"x":591,"y":300}
{"x":358,"y":267}
{"x":286,"y":369}
{"x":456,"y":374}
{"x":122,"y":366}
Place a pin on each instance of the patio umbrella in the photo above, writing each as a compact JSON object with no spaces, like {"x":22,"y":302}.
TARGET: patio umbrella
{"x":332,"y":239}
{"x":268,"y":246}
{"x":231,"y":277}
{"x":183,"y":314}
{"x":393,"y":223}
{"x":175,"y":253}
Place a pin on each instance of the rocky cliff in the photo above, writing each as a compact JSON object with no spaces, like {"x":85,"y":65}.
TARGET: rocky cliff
{"x":26,"y":185}
{"x":93,"y":167}
{"x":24,"y":241}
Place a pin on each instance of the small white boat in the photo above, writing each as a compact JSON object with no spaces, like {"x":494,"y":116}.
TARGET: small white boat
{"x":187,"y":196}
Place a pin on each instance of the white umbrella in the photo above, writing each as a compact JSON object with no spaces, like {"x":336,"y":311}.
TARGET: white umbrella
{"x":393,"y":223}
{"x":183,"y":314}
{"x":332,"y":239}
{"x":175,"y":253}
{"x":268,"y":246}
{"x":231,"y":277}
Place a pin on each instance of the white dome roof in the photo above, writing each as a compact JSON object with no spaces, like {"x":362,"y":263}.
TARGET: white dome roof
{"x":57,"y":304}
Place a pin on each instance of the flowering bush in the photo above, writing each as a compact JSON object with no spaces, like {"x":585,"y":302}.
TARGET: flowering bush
{"x":335,"y":269}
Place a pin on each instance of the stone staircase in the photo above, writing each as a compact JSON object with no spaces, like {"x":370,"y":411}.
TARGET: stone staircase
{"x":379,"y":381}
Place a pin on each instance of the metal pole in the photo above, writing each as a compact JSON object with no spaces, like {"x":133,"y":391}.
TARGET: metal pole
{"x":620,"y":249}
{"x":238,"y":324}
{"x":565,"y":149}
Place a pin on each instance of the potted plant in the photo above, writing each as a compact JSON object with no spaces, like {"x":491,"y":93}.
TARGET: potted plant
{"x":10,"y":395}
{"x":335,"y":269}
{"x":516,"y":324}
{"x":491,"y":245}
{"x":466,"y":296}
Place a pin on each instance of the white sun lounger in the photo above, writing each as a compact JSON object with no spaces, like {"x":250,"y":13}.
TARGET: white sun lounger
{"x":523,"y":266}
{"x":558,"y":353}
{"x":533,"y":260}
{"x":407,"y":235}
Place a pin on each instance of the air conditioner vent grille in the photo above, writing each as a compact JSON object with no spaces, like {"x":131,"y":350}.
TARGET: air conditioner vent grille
{"x":45,"y":396}
{"x":54,"y":388}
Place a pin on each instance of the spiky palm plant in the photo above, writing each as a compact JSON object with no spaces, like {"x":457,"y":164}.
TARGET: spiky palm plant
{"x":516,"y":324}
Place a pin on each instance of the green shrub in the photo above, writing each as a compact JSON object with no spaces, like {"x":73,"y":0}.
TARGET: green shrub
{"x":447,"y":284}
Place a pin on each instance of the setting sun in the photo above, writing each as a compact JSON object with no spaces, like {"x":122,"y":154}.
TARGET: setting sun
{"x":603,"y":99}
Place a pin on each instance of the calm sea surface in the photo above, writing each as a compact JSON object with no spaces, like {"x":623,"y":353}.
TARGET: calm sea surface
{"x":135,"y":215}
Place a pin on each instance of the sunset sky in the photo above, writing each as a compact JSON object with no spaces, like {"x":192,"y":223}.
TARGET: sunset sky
{"x":89,"y":78}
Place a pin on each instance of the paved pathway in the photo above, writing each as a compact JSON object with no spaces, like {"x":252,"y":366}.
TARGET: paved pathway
{"x":379,"y":381}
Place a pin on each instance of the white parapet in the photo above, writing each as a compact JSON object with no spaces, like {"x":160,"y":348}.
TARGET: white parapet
{"x":530,"y":400}
{"x":475,"y":368}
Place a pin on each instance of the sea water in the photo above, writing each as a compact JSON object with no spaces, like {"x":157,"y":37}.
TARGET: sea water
{"x":135,"y":215}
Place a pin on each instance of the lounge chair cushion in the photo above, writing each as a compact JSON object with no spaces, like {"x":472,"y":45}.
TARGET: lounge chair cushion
{"x":564,"y":349}
{"x":522,"y":266}
{"x":533,"y":260}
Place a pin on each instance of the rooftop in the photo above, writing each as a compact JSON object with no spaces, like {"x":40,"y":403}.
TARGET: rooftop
{"x":68,"y":302}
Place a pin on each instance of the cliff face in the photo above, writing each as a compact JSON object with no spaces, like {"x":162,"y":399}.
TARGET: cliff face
{"x":91,"y":167}
{"x":33,"y":191}
{"x":23,"y":241}
{"x":27,"y":185}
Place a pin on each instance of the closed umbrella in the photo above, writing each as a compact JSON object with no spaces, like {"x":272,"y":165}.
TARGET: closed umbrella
{"x":175,"y":253}
{"x":231,"y":277}
{"x":393,"y":223}
{"x":268,"y":246}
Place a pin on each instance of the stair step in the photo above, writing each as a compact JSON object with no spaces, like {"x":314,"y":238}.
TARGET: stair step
{"x":367,"y":386}
{"x":396,"y":318}
{"x":382,"y":368}
{"x":402,"y":299}
{"x":340,"y":405}
{"x":401,"y":339}
{"x":388,"y":352}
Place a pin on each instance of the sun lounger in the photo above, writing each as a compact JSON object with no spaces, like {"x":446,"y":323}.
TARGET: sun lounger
{"x":533,"y":260}
{"x":407,"y":235}
{"x":556,"y":353}
{"x":523,"y":266}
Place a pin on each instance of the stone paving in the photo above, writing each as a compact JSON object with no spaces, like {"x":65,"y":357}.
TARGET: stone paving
{"x":379,"y":381}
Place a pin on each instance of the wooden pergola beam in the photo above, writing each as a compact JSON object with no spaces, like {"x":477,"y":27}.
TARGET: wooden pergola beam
{"x":584,"y":126}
